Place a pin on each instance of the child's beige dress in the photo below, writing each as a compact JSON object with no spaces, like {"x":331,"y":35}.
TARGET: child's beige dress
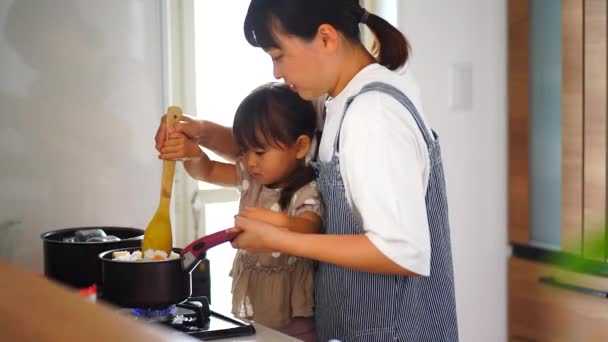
{"x":273,"y":288}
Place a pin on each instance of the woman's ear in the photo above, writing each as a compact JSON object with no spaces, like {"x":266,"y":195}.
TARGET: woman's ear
{"x":329,"y":37}
{"x":302,"y":146}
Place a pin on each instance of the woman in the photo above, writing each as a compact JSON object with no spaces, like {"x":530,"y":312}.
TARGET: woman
{"x":385,"y":268}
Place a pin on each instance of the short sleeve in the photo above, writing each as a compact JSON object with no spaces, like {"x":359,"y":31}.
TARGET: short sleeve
{"x":307,"y":198}
{"x":243,"y":178}
{"x":384,"y":161}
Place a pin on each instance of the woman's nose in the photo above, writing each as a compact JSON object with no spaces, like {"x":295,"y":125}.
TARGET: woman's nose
{"x":276,"y":72}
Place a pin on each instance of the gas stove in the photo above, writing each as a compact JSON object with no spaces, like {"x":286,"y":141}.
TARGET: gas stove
{"x":194,"y":318}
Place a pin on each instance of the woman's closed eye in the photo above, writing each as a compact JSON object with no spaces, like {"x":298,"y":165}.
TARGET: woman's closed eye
{"x":259,"y":152}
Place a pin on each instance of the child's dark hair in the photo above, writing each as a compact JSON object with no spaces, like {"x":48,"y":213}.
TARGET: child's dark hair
{"x":273,"y":114}
{"x":302,"y":18}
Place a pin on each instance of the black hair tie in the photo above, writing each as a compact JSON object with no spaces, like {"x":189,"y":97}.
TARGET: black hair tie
{"x":364,"y":16}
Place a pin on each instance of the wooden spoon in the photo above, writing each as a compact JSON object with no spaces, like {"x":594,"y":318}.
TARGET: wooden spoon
{"x":158,"y":234}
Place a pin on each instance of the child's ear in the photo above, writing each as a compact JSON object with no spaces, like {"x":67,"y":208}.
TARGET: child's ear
{"x":302,"y":146}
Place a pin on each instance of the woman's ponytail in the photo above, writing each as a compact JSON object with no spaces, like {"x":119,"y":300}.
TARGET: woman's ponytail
{"x":391,"y":46}
{"x":302,"y":18}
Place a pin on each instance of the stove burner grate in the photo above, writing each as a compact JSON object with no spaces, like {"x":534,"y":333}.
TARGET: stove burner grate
{"x":194,"y":318}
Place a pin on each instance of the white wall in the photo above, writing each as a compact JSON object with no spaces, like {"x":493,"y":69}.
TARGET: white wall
{"x":445,"y":33}
{"x":80,"y":98}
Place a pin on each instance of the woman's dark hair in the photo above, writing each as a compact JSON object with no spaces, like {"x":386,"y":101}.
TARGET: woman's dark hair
{"x":273,"y":114}
{"x":302,"y":18}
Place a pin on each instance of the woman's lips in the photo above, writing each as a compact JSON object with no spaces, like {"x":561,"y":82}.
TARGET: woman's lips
{"x":293,"y":88}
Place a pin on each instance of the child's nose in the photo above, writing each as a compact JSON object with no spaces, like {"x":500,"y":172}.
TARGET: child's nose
{"x":251,"y":160}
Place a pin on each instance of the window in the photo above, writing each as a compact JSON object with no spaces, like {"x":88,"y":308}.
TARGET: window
{"x":227,"y":69}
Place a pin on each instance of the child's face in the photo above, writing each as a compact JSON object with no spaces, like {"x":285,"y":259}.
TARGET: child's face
{"x":272,"y":166}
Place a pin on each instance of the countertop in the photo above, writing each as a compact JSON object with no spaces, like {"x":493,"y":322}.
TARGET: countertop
{"x":265,"y":334}
{"x":33,"y":308}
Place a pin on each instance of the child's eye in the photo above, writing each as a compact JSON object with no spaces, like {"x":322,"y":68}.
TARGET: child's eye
{"x":277,"y":58}
{"x":260,"y":152}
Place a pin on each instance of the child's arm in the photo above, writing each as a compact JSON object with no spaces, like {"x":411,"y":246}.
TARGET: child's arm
{"x":211,"y":171}
{"x":307,"y":222}
{"x":196,"y":162}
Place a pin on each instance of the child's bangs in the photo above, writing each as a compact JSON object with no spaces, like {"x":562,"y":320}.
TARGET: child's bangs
{"x":259,"y":127}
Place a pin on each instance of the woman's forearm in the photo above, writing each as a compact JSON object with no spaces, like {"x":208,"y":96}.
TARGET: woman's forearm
{"x":351,"y":251}
{"x":219,"y":139}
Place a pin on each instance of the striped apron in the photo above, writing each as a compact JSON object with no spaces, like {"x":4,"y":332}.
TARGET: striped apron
{"x":360,"y":306}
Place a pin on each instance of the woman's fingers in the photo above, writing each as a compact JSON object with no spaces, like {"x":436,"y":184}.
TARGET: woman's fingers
{"x":188,"y":126}
{"x":248,"y":213}
{"x":178,"y":146}
{"x":255,"y":235}
{"x":233,"y":230}
{"x":247,"y":238}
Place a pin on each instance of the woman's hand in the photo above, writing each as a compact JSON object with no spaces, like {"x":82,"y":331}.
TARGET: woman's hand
{"x":213,"y":136}
{"x":188,"y":126}
{"x":257,"y":236}
{"x":180,"y":147}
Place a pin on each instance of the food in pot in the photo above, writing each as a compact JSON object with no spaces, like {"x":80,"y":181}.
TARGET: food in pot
{"x":148,"y":255}
{"x":90,"y":235}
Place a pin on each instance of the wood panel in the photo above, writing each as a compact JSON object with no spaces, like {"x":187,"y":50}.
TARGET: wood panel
{"x":572,"y":125}
{"x":33,"y":308}
{"x":519,"y":111}
{"x":595,"y":91}
{"x":539,"y":312}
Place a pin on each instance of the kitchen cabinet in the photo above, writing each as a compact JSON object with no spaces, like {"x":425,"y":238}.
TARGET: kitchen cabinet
{"x":553,"y":310}
{"x":558,"y":147}
{"x":557,"y":123}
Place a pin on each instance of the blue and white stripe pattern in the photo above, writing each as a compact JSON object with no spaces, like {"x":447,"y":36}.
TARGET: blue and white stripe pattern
{"x":359,"y":306}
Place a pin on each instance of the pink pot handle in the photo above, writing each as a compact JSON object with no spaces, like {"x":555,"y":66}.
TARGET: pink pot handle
{"x":195,"y":251}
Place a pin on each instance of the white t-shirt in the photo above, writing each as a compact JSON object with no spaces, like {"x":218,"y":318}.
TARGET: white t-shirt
{"x":384,"y":164}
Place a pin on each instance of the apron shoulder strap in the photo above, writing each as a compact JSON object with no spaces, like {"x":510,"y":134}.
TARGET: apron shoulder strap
{"x":397,"y":95}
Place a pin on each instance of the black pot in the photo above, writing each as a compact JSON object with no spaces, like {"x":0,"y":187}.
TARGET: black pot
{"x":143,"y":284}
{"x":77,"y":264}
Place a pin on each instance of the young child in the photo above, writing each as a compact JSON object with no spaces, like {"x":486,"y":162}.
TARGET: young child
{"x":274,"y":128}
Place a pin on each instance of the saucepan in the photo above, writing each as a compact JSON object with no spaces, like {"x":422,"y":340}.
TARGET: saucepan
{"x":154,"y":284}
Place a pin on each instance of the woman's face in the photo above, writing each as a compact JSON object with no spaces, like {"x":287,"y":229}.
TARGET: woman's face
{"x":301,"y":64}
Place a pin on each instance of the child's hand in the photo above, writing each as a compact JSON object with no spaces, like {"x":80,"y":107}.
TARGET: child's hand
{"x":265,"y":215}
{"x":179,"y":147}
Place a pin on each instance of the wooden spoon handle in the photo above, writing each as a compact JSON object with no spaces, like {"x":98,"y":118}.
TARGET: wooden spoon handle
{"x":174,"y":115}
